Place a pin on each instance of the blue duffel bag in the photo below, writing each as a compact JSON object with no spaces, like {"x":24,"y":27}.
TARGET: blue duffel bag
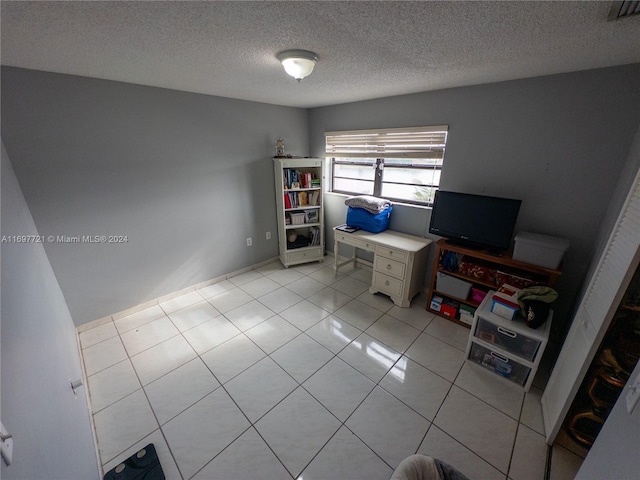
{"x":374,"y":223}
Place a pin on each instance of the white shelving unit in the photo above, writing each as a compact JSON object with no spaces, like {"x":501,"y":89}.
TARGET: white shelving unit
{"x":507,"y":347}
{"x":300,"y":209}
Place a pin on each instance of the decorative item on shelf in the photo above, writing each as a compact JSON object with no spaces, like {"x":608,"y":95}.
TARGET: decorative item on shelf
{"x":279,"y":147}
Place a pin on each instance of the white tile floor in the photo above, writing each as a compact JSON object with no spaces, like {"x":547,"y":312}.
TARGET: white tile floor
{"x":292,"y":373}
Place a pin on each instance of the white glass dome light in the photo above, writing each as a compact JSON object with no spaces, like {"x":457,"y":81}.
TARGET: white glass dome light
{"x":298,"y":63}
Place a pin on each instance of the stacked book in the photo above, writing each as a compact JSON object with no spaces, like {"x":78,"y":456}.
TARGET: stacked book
{"x":301,"y":199}
{"x":314,"y":236}
{"x":291,"y":176}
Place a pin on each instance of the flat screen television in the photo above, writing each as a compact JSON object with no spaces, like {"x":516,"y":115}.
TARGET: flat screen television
{"x":477,"y":221}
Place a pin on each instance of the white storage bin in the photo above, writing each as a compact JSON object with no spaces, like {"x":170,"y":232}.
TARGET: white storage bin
{"x":297,"y":218}
{"x":452,"y":286}
{"x":541,"y":250}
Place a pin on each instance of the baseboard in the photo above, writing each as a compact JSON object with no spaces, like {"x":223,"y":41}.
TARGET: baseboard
{"x":150,"y":303}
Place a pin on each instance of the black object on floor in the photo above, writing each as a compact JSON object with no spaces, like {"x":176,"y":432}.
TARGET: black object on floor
{"x":143,"y":465}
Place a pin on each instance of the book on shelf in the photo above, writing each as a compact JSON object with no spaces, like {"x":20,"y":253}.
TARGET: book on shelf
{"x":303,"y":179}
{"x":307,"y":178}
{"x":314,"y":236}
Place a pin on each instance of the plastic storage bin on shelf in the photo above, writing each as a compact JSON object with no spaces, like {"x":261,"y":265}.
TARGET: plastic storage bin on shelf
{"x":541,"y":250}
{"x":477,"y":294}
{"x":452,"y":286}
{"x":297,"y":218}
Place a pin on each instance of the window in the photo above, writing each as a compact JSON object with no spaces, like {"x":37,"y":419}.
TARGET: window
{"x":402,"y":164}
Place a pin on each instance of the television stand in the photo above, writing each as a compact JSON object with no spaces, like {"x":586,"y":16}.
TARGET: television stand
{"x":494,"y":252}
{"x":482,"y":272}
{"x":463,"y":244}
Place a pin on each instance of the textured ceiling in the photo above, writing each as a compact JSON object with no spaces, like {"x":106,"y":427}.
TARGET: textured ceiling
{"x":366,"y":49}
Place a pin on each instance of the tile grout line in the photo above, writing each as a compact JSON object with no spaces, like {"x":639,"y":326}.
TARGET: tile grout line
{"x":299,"y":384}
{"x":198,"y":355}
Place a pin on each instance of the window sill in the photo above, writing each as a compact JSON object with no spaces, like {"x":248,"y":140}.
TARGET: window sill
{"x":410,"y":205}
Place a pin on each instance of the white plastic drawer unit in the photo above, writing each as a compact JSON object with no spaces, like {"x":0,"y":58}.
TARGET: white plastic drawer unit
{"x":499,"y":363}
{"x":507,"y":339}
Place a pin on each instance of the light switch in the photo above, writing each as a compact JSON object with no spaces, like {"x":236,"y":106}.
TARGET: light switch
{"x":633,"y":394}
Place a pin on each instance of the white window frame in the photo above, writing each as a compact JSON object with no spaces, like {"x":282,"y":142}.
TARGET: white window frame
{"x":351,"y":147}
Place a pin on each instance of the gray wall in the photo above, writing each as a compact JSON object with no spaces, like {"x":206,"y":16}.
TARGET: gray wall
{"x":186,"y":177}
{"x":559,"y":143}
{"x":50,"y":426}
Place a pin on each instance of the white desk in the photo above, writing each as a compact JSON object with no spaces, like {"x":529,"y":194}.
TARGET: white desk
{"x":399,"y":265}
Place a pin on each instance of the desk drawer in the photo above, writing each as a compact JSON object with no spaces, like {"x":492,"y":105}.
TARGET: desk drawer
{"x":354,"y":242}
{"x":341,"y":237}
{"x":391,"y":253}
{"x":387,"y":284}
{"x":389,"y":267}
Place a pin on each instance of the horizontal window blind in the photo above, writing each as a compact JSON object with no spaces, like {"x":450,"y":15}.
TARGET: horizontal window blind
{"x":415,"y":142}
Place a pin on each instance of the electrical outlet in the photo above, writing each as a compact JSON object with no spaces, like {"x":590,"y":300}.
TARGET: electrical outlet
{"x":268,"y":235}
{"x":249,"y":242}
{"x":6,"y":445}
{"x":633,"y":395}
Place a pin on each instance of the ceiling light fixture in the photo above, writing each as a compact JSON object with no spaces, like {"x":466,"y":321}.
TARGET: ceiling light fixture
{"x":298,"y":63}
